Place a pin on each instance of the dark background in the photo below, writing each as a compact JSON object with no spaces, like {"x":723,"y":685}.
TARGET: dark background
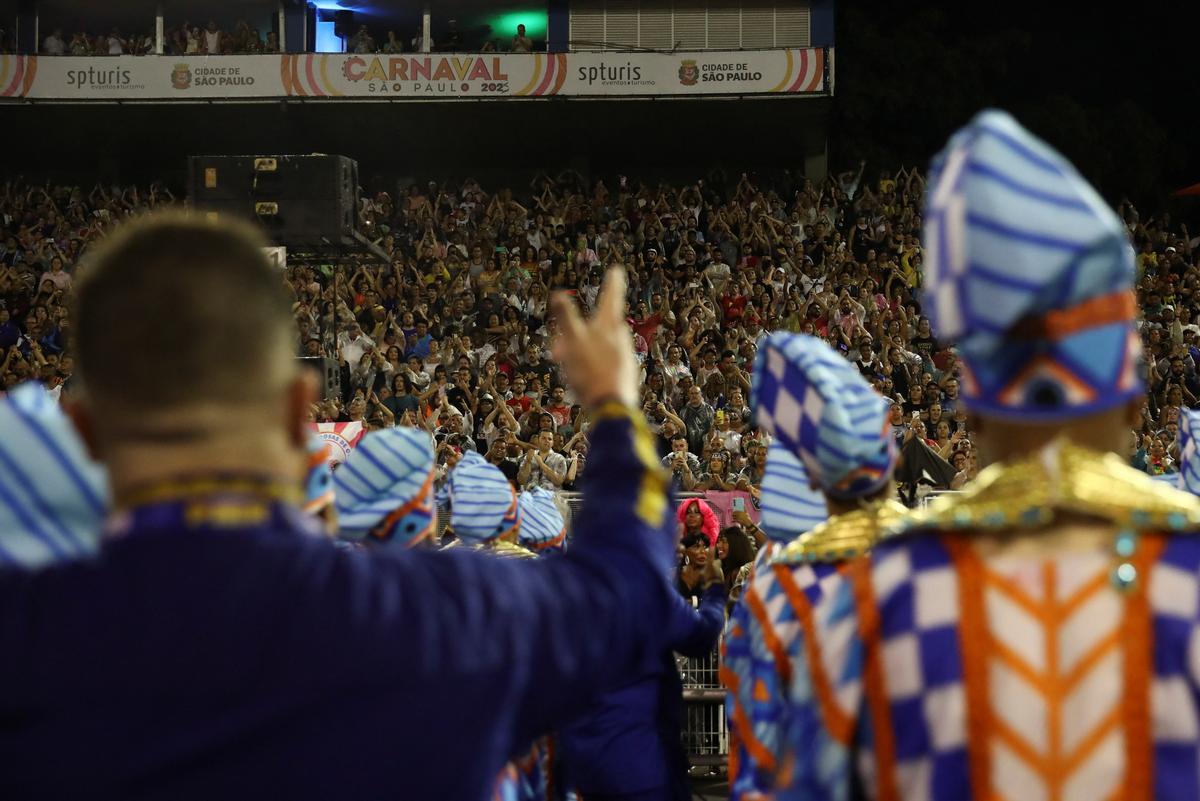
{"x":1113,"y":89}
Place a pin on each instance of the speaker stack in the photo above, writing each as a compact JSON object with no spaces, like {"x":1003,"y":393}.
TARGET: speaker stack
{"x":302,"y":202}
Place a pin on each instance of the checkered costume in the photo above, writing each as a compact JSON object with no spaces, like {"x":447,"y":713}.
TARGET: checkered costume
{"x":830,"y":425}
{"x":936,"y":669}
{"x":936,"y":674}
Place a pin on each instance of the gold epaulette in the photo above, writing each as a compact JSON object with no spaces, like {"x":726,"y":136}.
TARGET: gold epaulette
{"x":1062,"y":477}
{"x":507,"y":550}
{"x":844,"y":536}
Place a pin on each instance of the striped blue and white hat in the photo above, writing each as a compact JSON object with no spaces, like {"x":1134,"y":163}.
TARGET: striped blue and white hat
{"x":819,"y":407}
{"x":384,"y":489}
{"x":53,"y":497}
{"x":1189,"y":457}
{"x":1031,"y":274}
{"x":789,"y":505}
{"x":483,"y":505}
{"x":542,"y":526}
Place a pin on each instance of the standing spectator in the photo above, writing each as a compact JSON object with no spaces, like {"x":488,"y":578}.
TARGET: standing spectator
{"x":54,"y":44}
{"x":522,"y":43}
{"x":56,"y":275}
{"x":698,"y":417}
{"x":393,"y":44}
{"x":558,"y":408}
{"x":211,"y":40}
{"x":362,"y":41}
{"x":684,"y":466}
{"x":543,"y":467}
{"x":452,"y":38}
{"x":352,"y":344}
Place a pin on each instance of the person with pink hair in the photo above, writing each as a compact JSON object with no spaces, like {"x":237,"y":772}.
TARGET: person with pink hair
{"x":697,"y":517}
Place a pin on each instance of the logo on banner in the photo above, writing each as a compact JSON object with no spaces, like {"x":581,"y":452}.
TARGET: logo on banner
{"x":181,"y":77}
{"x":689,"y":73}
{"x":341,"y":439}
{"x":439,"y":75}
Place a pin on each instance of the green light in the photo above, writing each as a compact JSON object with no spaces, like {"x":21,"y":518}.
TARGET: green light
{"x":504,"y":26}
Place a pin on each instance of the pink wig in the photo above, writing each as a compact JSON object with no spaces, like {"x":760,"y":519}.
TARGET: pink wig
{"x":710,"y":527}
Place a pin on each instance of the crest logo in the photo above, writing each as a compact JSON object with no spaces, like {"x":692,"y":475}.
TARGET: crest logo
{"x":181,"y":77}
{"x":689,"y":73}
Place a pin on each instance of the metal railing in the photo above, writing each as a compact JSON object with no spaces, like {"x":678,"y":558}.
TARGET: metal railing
{"x":705,"y":732}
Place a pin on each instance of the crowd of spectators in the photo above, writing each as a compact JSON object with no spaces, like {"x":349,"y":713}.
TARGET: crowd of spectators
{"x":188,"y":39}
{"x":185,"y":39}
{"x":447,"y":40}
{"x":451,"y":332}
{"x":113,"y":43}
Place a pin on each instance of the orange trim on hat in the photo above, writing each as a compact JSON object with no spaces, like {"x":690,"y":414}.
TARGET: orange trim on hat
{"x":1118,"y":307}
{"x":422,"y":501}
{"x":562,"y":535}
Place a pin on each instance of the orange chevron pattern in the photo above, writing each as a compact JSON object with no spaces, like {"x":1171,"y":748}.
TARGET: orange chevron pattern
{"x":1049,"y":686}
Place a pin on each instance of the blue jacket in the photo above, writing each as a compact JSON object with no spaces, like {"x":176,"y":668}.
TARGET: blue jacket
{"x":246,"y":661}
{"x":629,"y":741}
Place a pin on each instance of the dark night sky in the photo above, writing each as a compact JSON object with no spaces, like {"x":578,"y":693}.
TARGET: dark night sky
{"x":1114,"y":90}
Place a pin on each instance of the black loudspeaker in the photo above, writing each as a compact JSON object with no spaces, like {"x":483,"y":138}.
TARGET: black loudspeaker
{"x":329,"y":377}
{"x":299,"y":200}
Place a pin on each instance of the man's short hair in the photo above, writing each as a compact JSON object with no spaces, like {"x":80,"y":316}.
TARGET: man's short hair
{"x":174,"y":310}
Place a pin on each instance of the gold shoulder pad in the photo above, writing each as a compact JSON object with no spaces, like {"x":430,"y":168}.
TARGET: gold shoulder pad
{"x":844,"y":536}
{"x":1062,"y":477}
{"x":509,"y":550}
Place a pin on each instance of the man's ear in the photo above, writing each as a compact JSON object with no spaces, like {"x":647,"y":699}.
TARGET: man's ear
{"x":302,"y":393}
{"x":81,"y":418}
{"x":1133,"y":411}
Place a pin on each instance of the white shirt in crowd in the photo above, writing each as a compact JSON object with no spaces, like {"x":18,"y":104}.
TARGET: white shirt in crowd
{"x":717,"y":273}
{"x":352,"y":350}
{"x":54,"y":46}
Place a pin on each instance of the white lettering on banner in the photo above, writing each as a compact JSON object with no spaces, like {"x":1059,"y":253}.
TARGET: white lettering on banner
{"x":277,"y":255}
{"x":799,"y":71}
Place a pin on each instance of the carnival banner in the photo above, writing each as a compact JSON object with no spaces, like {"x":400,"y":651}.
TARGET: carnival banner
{"x":341,"y":438}
{"x":325,"y":76}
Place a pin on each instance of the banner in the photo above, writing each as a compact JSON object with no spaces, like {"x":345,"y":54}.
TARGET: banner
{"x":722,"y":505}
{"x":341,"y":438}
{"x":327,"y":76}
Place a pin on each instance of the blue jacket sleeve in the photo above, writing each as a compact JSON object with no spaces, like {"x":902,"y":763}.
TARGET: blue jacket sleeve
{"x":694,"y":632}
{"x":527,"y":641}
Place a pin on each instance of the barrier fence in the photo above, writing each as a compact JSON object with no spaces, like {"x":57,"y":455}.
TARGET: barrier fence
{"x":705,"y":732}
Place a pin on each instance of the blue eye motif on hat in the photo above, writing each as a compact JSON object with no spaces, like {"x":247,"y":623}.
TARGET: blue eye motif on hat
{"x":384,"y":489}
{"x":1031,"y":273}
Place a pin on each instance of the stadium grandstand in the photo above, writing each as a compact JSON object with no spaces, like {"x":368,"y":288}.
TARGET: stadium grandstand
{"x":430,"y":180}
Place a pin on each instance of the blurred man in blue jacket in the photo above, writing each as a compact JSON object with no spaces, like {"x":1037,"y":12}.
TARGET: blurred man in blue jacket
{"x":213,"y":649}
{"x":627,"y":747}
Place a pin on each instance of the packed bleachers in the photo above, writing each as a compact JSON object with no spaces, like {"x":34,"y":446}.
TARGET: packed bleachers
{"x":453,"y":333}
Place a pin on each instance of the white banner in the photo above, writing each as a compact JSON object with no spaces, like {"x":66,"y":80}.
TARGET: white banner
{"x":415,"y":76}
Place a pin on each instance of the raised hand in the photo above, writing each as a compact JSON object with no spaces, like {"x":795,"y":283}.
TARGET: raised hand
{"x":597,"y":354}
